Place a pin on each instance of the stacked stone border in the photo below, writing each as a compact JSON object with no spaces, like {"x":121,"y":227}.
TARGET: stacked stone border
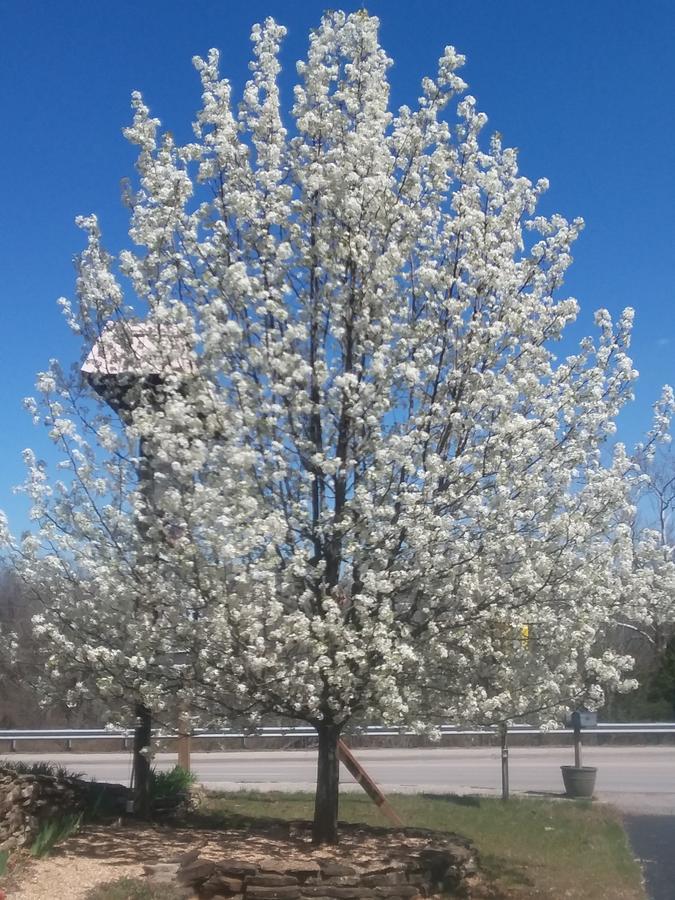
{"x":446,"y":865}
{"x":27,"y":802}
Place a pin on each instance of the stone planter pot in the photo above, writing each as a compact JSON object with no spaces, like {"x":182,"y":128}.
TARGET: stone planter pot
{"x":579,"y":781}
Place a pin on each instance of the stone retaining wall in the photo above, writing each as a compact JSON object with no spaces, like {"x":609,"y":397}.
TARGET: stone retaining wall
{"x":28,"y":801}
{"x":444,"y":866}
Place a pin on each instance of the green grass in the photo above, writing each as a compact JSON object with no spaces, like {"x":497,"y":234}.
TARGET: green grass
{"x":529,"y":848}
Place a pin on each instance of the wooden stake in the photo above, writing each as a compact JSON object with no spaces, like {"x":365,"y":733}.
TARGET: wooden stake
{"x":360,"y":775}
{"x":184,"y":741}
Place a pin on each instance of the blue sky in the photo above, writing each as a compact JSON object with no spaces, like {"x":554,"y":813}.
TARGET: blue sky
{"x":584,"y":89}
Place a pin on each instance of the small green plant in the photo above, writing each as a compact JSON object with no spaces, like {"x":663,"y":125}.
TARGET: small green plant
{"x":134,"y":889}
{"x":4,"y":859}
{"x":53,"y":832}
{"x":62,"y":773}
{"x":168,"y":789}
{"x":39,"y":768}
{"x":25,"y":768}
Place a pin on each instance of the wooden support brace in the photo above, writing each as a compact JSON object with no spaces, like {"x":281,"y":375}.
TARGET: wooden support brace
{"x":360,"y":775}
{"x":183,"y":741}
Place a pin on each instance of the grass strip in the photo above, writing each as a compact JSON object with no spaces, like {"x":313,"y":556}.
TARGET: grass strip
{"x":530,"y":848}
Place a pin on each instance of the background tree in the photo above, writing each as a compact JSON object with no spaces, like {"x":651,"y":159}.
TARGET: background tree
{"x":23,"y":701}
{"x":646,"y":620}
{"x":377,"y":472}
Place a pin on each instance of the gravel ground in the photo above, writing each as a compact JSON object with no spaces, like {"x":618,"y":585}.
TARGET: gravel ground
{"x":96,"y":855}
{"x":69,"y":878}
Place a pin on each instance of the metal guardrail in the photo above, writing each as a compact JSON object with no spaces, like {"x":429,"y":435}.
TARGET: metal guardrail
{"x":13,"y":736}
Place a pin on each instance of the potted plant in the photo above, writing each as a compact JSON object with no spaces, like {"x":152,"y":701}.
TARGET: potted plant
{"x":579,"y":780}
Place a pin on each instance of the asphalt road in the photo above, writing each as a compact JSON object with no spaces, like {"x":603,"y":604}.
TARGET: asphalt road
{"x":652,"y":838}
{"x":637,"y":779}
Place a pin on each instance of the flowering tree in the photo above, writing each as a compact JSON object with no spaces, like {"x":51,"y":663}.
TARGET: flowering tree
{"x":374,"y":491}
{"x":647,"y":609}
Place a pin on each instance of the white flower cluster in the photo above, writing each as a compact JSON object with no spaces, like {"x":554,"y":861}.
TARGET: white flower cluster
{"x":377,"y":493}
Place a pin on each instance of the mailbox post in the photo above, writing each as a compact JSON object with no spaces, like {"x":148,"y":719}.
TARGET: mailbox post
{"x":576,"y":725}
{"x":579,"y":780}
{"x":579,"y":719}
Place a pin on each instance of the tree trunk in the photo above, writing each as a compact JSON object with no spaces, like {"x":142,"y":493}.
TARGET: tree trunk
{"x":142,"y":739}
{"x":327,"y":786}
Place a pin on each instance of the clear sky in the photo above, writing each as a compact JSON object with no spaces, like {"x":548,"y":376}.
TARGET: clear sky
{"x":585,"y":89}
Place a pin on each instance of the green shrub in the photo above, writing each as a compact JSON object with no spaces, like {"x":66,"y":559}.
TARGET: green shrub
{"x":25,"y":768}
{"x":4,"y":859}
{"x":53,"y":832}
{"x":62,"y":773}
{"x":169,"y":789}
{"x":39,"y":768}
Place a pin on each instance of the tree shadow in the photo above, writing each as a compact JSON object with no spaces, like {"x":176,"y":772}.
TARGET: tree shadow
{"x":548,"y":795}
{"x":472,"y":800}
